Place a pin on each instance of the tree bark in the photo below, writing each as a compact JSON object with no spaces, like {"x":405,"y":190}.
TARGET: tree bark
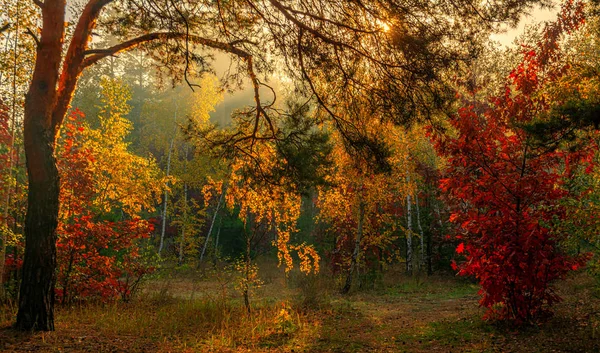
{"x":36,"y":299}
{"x":37,"y":287}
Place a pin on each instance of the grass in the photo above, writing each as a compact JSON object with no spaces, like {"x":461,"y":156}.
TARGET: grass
{"x":189,"y":314}
{"x":436,"y":288}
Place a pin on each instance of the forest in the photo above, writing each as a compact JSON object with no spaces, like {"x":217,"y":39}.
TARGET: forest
{"x":299,"y":176}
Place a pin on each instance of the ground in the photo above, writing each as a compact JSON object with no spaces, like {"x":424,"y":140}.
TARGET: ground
{"x":194,"y":313}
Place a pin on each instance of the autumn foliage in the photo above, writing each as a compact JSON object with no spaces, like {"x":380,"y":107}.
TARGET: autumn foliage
{"x":96,"y":257}
{"x":506,"y":190}
{"x":354,"y":186}
{"x":5,"y":140}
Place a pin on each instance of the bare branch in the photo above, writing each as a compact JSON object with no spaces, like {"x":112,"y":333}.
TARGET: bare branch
{"x":39,"y":3}
{"x":99,"y":54}
{"x":35,"y":38}
{"x":5,"y":27}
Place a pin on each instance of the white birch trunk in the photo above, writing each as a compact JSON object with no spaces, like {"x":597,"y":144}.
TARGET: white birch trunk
{"x":215,"y":252}
{"x":185,"y":205}
{"x":423,"y":253}
{"x":166,"y":198}
{"x":212,"y":223}
{"x":184,"y":225}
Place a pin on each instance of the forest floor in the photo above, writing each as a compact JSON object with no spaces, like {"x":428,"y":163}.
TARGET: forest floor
{"x":188,"y":314}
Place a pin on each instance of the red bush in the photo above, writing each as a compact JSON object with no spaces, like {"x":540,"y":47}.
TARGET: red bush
{"x":506,"y":191}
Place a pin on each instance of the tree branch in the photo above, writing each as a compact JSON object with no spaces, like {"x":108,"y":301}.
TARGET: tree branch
{"x":96,"y":55}
{"x":5,"y":27}
{"x":187,"y":45}
{"x":72,"y":64}
{"x":35,"y":38}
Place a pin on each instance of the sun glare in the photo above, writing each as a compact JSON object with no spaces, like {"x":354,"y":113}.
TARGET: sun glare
{"x":385,"y":27}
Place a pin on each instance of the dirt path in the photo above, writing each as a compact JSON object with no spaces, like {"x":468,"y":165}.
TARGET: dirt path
{"x":447,"y":319}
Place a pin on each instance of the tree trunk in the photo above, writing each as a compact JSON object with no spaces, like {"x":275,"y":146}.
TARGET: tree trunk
{"x":423,"y":252}
{"x":182,"y":245}
{"x":409,"y":254}
{"x":429,"y":240}
{"x":212,"y":223}
{"x":36,"y":299}
{"x":166,"y":198}
{"x":356,"y":253}
{"x":185,"y":209}
{"x":441,"y":231}
{"x":216,"y":249}
{"x":248,"y":264}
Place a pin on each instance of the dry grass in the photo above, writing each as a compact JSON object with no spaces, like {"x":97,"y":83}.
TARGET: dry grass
{"x":193,"y":314}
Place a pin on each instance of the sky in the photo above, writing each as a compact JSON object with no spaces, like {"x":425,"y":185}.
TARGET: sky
{"x":536,"y":16}
{"x":240,"y":98}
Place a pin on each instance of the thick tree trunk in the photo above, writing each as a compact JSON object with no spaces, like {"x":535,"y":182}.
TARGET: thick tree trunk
{"x":36,"y":297}
{"x":36,"y":300}
{"x":355,"y":255}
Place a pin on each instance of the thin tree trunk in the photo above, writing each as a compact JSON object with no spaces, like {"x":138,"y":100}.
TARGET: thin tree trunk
{"x":166,"y":197}
{"x":441,"y":225}
{"x":248,"y":263}
{"x":355,"y":255}
{"x":6,"y":42}
{"x":430,"y":240}
{"x":437,"y":210}
{"x":216,"y":249}
{"x":182,"y":245}
{"x":409,"y":254}
{"x":212,"y":223}
{"x":422,"y":240}
{"x":185,"y":205}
